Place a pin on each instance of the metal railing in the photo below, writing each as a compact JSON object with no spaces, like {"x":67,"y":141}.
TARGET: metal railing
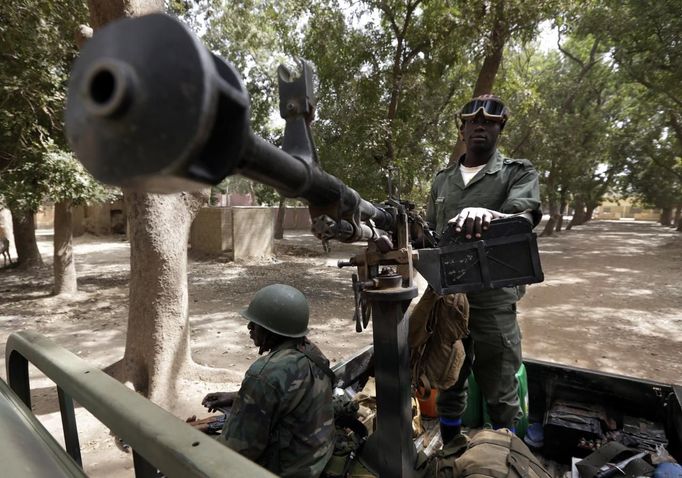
{"x":160,"y":441}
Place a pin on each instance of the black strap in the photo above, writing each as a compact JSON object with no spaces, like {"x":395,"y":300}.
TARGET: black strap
{"x":612,"y":452}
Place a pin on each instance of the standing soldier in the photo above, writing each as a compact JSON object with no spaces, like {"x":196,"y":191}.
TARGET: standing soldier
{"x":482,"y":186}
{"x":282,"y":416}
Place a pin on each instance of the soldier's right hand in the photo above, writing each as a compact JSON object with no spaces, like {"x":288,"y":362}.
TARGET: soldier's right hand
{"x":214,"y":401}
{"x":473,"y":221}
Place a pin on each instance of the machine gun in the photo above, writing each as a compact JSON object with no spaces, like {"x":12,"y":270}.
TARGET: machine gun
{"x":150,"y":108}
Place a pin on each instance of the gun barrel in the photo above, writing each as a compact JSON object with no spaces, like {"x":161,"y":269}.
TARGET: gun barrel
{"x":150,"y":108}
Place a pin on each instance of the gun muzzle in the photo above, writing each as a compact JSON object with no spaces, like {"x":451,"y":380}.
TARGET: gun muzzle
{"x":145,"y":100}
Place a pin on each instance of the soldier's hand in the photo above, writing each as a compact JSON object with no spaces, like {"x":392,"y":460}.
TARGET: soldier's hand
{"x":214,"y":401}
{"x":473,"y":221}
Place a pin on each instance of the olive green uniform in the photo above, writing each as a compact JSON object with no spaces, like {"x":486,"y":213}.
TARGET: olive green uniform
{"x":509,"y":186}
{"x":283,"y":418}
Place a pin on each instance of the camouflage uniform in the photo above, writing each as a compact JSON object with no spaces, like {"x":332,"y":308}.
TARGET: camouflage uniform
{"x":509,"y":186}
{"x":283,"y":418}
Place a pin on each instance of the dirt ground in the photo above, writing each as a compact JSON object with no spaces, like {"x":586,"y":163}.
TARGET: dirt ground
{"x":611,"y":300}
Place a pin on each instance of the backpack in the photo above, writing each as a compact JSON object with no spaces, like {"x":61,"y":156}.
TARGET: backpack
{"x":489,"y":454}
{"x":437,"y":323}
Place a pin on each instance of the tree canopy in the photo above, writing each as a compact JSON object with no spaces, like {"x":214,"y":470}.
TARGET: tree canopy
{"x":597,"y":114}
{"x":37,"y":49}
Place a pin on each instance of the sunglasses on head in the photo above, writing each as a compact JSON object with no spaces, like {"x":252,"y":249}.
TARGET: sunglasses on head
{"x":492,"y":110}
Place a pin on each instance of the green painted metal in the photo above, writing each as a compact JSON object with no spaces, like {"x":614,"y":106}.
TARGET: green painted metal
{"x":162,"y":439}
{"x":28,"y":449}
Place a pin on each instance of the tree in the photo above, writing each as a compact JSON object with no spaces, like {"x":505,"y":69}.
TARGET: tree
{"x":567,"y":107}
{"x":494,"y":25}
{"x":35,"y":51}
{"x":34,"y":166}
{"x":646,"y":46}
{"x":653,"y":170}
{"x":157,"y":352}
{"x":388,"y":74}
{"x":71,"y":185}
{"x":640,"y":40}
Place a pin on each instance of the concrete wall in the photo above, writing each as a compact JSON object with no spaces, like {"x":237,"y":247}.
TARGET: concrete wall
{"x":104,"y":218}
{"x":253,"y":232}
{"x":77,"y":226}
{"x":625,"y":209}
{"x":98,"y":219}
{"x":211,"y":230}
{"x":296,"y":218}
{"x":248,"y":231}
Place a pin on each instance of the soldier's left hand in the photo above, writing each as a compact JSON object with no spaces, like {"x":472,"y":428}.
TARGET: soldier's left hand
{"x":214,"y":401}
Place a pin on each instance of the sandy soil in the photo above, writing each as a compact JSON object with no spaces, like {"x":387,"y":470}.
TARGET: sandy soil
{"x":611,"y":300}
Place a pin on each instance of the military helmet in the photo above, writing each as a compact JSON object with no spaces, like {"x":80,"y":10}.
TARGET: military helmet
{"x":281,"y":309}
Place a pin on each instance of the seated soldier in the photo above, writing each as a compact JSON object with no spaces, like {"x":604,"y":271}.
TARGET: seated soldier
{"x":282,"y":416}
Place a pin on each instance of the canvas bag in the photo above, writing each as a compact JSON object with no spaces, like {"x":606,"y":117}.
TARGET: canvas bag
{"x":490,"y":454}
{"x":437,"y":323}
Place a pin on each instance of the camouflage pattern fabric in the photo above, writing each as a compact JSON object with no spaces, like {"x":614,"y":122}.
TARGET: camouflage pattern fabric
{"x":283,"y":418}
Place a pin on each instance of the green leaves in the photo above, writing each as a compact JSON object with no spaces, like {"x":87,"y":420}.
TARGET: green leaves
{"x":52,"y":176}
{"x":600,"y":114}
{"x":36,"y":50}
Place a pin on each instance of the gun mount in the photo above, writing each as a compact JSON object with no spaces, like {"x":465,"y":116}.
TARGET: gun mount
{"x":150,"y":108}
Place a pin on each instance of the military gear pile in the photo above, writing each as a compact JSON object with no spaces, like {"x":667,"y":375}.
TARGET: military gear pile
{"x":437,"y":324}
{"x":281,"y":309}
{"x":490,"y":454}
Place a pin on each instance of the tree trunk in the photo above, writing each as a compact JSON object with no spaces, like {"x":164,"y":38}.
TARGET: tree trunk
{"x":281,"y":213}
{"x":678,"y":216}
{"x":486,"y":77}
{"x":559,"y":222}
{"x":560,"y":217}
{"x":589,"y":212}
{"x":24,"y":225}
{"x":666,"y":216}
{"x":553,"y":219}
{"x":214,"y":197}
{"x":157,"y":342}
{"x":64,"y":263}
{"x":578,"y":214}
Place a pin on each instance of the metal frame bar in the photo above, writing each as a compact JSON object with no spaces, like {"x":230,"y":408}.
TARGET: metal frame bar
{"x":69,"y":426}
{"x":390,"y":450}
{"x":161,"y":440}
{"x":31,"y":449}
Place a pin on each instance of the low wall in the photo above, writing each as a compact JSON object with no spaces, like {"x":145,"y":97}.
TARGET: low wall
{"x":253,"y":232}
{"x":296,"y":218}
{"x":246,"y":231}
{"x":101,"y":219}
{"x":211,"y":230}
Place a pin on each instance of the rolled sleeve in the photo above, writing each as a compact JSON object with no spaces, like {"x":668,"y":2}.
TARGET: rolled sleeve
{"x":524,"y":194}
